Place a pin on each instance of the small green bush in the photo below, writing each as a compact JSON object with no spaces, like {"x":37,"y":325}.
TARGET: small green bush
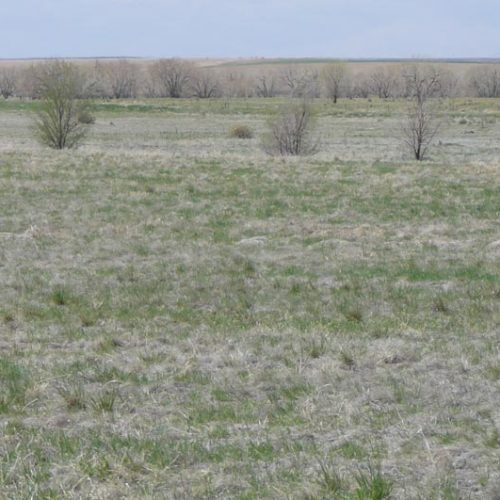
{"x":240,"y":132}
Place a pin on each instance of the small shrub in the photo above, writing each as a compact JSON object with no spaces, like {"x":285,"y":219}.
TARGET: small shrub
{"x":85,"y":117}
{"x":240,"y":132}
{"x":291,"y":131}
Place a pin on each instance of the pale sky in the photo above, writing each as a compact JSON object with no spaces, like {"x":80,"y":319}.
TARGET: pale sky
{"x":250,"y":28}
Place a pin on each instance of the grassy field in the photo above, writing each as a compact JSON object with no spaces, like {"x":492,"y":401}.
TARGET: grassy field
{"x":182,"y":316}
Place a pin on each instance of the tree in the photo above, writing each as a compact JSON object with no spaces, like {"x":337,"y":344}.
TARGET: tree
{"x":171,"y":76}
{"x":419,"y":128}
{"x":291,"y":131}
{"x":8,"y":78}
{"x":205,"y":84}
{"x":266,"y":86}
{"x":485,"y":81}
{"x":122,"y":78}
{"x":334,"y":77}
{"x":383,"y":82}
{"x":422,"y":82}
{"x":300,"y":83}
{"x":56,"y":123}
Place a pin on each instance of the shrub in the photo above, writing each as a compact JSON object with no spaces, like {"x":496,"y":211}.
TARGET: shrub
{"x":419,"y":128}
{"x":291,"y":131}
{"x":86,"y":117}
{"x":241,"y":132}
{"x":57,"y":124}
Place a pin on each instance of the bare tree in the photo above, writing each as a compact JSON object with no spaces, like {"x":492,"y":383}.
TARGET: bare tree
{"x":448,"y":83}
{"x":485,"y":81}
{"x":56,"y":123}
{"x":122,"y":79}
{"x":236,"y":85}
{"x":419,"y":127}
{"x":422,"y":81}
{"x":8,"y":82}
{"x":29,"y":82}
{"x":171,"y":77}
{"x":299,"y":82}
{"x":334,"y":78}
{"x":95,"y":81}
{"x":292,"y":131}
{"x":423,"y":87}
{"x":266,"y":85}
{"x":205,"y":83}
{"x":383,"y":82}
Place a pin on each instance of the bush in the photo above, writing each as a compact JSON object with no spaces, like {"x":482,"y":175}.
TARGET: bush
{"x":57,"y":122}
{"x":241,"y":132}
{"x":86,"y":117}
{"x":292,"y":131}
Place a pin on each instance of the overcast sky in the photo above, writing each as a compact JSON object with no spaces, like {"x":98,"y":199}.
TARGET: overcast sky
{"x":248,"y":28}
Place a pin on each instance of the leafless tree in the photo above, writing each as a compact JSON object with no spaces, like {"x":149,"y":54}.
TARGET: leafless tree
{"x":334,"y":78}
{"x":122,"y":79}
{"x":420,"y":126}
{"x":205,"y":83}
{"x":423,"y":86}
{"x":236,"y":85}
{"x":422,"y":81}
{"x":448,"y":83}
{"x":29,"y":82}
{"x":8,"y":82}
{"x":485,"y":81}
{"x":171,"y":77}
{"x":300,"y":82}
{"x":292,"y":131}
{"x":56,"y":123}
{"x":95,"y":81}
{"x":383,"y":82}
{"x":266,"y":85}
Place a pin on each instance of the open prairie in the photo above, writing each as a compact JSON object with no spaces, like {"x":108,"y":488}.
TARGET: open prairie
{"x":182,"y":316}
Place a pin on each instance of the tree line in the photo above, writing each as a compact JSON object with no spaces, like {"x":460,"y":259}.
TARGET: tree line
{"x":64,"y":115}
{"x":175,"y":78}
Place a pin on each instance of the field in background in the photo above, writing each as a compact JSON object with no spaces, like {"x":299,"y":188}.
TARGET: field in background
{"x":182,"y":316}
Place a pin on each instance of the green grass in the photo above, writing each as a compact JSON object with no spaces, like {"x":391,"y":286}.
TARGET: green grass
{"x":177,"y":308}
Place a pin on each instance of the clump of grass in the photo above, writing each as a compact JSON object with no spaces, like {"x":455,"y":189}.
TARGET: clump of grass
{"x":60,"y":296}
{"x":347,"y":359}
{"x":372,"y":485}
{"x":440,"y":305}
{"x":354,"y":314}
{"x":331,"y":482}
{"x":108,"y":344}
{"x":14,"y":383}
{"x":105,"y":401}
{"x":315,"y":348}
{"x":9,"y":317}
{"x":74,"y":396}
{"x":240,"y":132}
